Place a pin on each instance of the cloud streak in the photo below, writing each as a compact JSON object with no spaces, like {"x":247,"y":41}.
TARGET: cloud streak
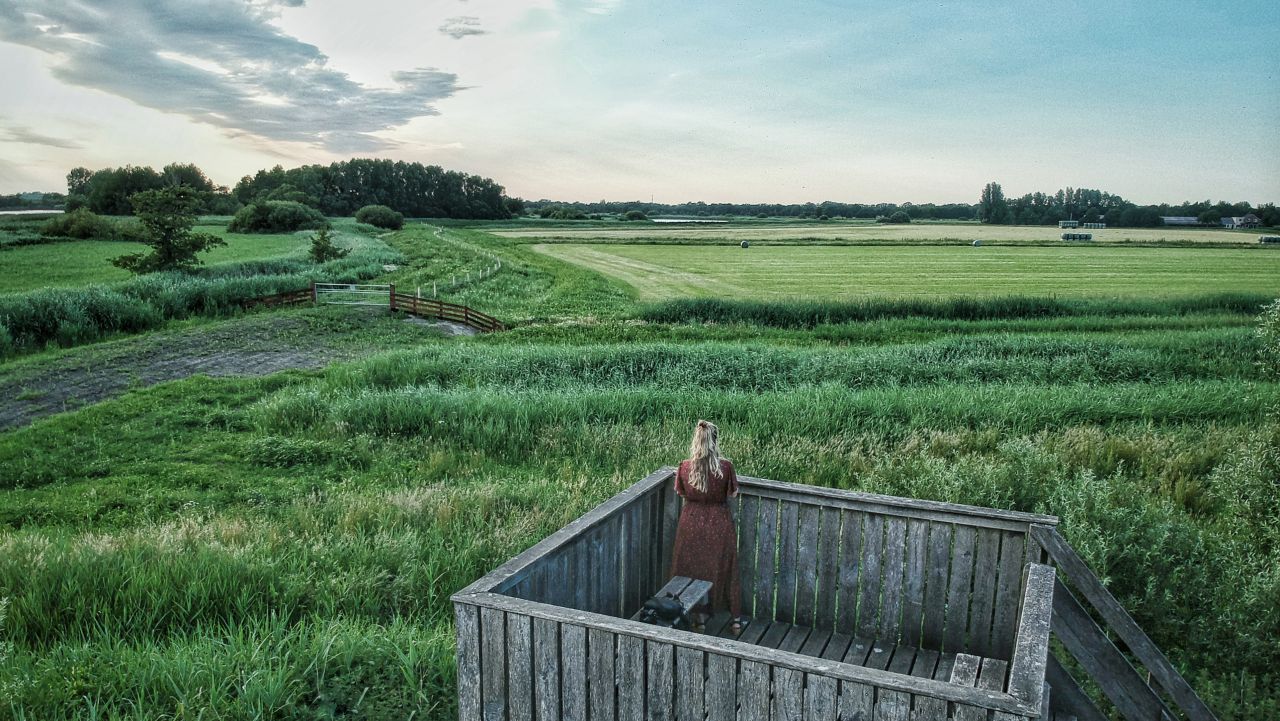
{"x":462,"y":26}
{"x":224,"y":63}
{"x":27,"y":136}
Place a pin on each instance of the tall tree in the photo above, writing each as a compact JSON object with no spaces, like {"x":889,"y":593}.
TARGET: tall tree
{"x":167,"y":216}
{"x":992,"y":206}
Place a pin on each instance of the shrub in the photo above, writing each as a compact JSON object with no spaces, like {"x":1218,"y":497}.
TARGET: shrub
{"x":380,"y":216}
{"x":276,"y":216}
{"x":322,"y":248}
{"x":898,"y":217}
{"x":1269,"y":332}
{"x":635,"y":215}
{"x":167,"y":216}
{"x":83,"y":224}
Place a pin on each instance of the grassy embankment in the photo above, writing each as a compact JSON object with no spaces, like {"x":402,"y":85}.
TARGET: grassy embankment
{"x":285,"y":547}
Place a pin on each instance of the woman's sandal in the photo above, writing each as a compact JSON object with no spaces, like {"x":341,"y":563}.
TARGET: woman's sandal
{"x":737,"y":626}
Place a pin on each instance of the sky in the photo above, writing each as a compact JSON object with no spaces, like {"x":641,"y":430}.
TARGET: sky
{"x":797,"y":101}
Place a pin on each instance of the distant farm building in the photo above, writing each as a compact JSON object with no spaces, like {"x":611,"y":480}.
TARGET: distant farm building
{"x":1179,"y":220}
{"x":1068,"y":224}
{"x":1242,"y":221}
{"x":1094,"y":226}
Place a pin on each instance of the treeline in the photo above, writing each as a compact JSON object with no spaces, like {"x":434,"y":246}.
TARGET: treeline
{"x":107,"y":191}
{"x":1097,"y":206}
{"x":414,"y":189}
{"x":32,"y":201}
{"x":830,"y":209}
{"x":337,"y":189}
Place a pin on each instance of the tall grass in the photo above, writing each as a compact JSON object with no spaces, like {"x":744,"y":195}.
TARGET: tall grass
{"x":807,"y":314}
{"x":68,"y":317}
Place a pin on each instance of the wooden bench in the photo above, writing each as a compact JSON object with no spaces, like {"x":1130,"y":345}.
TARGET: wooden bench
{"x":690,"y":592}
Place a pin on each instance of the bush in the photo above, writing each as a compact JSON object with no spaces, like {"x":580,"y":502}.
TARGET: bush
{"x":322,"y":248}
{"x":898,"y":217}
{"x":276,"y":216}
{"x":635,"y":215}
{"x":380,"y":216}
{"x":83,"y":224}
{"x":1269,"y":332}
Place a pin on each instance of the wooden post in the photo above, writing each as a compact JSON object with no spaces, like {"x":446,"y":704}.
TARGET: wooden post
{"x":313,"y":292}
{"x":434,"y":294}
{"x":392,"y":296}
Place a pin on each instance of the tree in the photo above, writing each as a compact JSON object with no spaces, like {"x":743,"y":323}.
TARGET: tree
{"x":635,"y":215}
{"x":380,"y":216}
{"x":1211,"y":217}
{"x":167,"y":216}
{"x":992,"y":207}
{"x":322,"y":248}
{"x":78,"y":181}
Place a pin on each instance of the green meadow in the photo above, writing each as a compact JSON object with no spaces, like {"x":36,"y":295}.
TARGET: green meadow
{"x":285,"y":547}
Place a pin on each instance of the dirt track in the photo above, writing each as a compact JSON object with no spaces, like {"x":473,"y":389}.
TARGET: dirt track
{"x":249,"y":346}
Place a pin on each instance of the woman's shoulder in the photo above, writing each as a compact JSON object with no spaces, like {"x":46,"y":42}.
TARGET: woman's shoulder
{"x":726,"y":465}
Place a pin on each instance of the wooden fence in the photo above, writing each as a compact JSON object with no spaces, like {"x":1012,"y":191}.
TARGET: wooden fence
{"x":398,"y":302}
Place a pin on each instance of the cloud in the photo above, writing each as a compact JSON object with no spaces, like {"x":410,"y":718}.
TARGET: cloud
{"x":221,"y":62}
{"x":23,"y":134}
{"x":462,"y":26}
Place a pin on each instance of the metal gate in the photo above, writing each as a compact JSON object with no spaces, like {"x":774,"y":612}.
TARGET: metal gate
{"x":353,"y":294}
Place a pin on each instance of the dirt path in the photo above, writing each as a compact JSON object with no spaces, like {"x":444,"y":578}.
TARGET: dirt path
{"x":254,"y":345}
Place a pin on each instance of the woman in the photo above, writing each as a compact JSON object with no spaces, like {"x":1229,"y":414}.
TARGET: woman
{"x":706,"y":544}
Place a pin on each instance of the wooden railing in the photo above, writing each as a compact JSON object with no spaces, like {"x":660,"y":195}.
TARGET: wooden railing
{"x":402,"y":302}
{"x":435,"y":308}
{"x":1136,"y":698}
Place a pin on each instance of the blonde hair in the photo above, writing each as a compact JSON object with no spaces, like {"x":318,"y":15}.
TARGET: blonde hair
{"x":704,"y":455}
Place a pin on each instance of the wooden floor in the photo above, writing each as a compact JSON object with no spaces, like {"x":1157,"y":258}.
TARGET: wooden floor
{"x":987,"y":673}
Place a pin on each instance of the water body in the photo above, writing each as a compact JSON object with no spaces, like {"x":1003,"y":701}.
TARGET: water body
{"x":30,"y":212}
{"x":686,"y":220}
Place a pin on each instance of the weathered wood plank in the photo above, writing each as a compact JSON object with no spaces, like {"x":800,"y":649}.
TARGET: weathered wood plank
{"x":964,"y":670}
{"x":493,"y":663}
{"x":926,"y":661}
{"x":896,"y":705}
{"x":937,"y":562}
{"x":1008,"y":594}
{"x":498,"y":579}
{"x":467,"y":620}
{"x":880,"y":656}
{"x":859,"y":650}
{"x":850,"y":571}
{"x":573,"y":672}
{"x":946,"y":662}
{"x":774,"y":635}
{"x":816,"y":643}
{"x":1119,"y":620}
{"x":632,"y":592}
{"x":788,"y":695}
{"x":601,"y":659}
{"x":748,"y":520}
{"x":837,"y":646}
{"x":927,"y":708}
{"x":519,"y":667}
{"x":807,"y":580}
{"x":872,"y":564}
{"x":754,"y":631}
{"x":721,"y":688}
{"x":985,"y":565}
{"x":1026,"y":678}
{"x":795,"y":639}
{"x":631,"y":678}
{"x":661,"y":681}
{"x":690,"y":684}
{"x":788,"y":551}
{"x":992,"y":675}
{"x":959,"y":586}
{"x":753,"y":691}
{"x":1100,"y":659}
{"x":892,"y":505}
{"x":672,"y":504}
{"x":766,"y":566}
{"x":758,"y":654}
{"x":656,"y":575}
{"x":856,"y":701}
{"x":891,"y":593}
{"x":828,"y":569}
{"x":914,"y":579}
{"x":1067,"y":694}
{"x":819,"y":698}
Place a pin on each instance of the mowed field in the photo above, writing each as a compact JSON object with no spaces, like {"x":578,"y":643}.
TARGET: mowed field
{"x":843,"y":272}
{"x":874,"y":232}
{"x":76,"y":263}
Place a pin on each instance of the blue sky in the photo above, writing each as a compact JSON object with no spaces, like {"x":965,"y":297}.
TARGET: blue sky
{"x":622,"y":99}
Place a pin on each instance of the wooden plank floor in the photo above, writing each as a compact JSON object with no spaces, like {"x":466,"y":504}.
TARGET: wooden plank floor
{"x":899,"y":658}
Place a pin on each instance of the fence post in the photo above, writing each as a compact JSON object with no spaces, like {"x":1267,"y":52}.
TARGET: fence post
{"x":434,"y":294}
{"x":314,"y":299}
{"x":392,"y":295}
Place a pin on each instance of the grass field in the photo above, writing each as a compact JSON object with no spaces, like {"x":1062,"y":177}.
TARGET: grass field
{"x":76,"y":263}
{"x":871,"y":232}
{"x":285,"y":547}
{"x":778,"y":272}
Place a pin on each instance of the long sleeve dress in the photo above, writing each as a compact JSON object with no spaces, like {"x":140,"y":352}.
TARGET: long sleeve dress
{"x":706,"y":543}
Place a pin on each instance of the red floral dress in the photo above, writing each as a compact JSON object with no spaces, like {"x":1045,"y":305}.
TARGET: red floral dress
{"x":706,"y":543}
